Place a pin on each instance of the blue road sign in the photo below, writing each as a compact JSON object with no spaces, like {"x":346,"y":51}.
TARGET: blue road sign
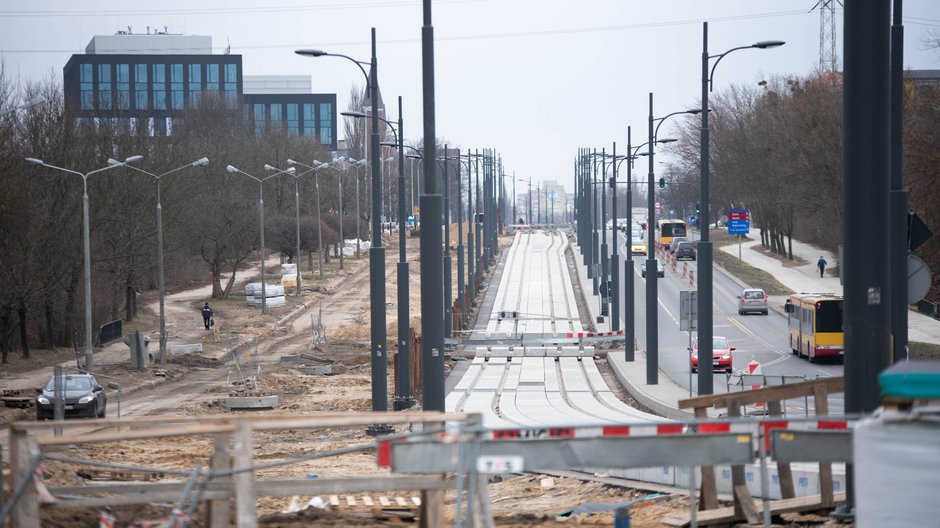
{"x":739,"y":227}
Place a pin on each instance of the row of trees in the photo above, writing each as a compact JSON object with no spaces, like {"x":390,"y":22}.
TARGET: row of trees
{"x":210,"y":216}
{"x":776,"y":149}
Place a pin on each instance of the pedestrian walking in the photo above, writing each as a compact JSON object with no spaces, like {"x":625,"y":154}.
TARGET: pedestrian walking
{"x":207,"y":316}
{"x":821,"y":264}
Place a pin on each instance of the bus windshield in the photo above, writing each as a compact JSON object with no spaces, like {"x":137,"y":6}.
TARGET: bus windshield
{"x":673,"y":230}
{"x":829,"y":316}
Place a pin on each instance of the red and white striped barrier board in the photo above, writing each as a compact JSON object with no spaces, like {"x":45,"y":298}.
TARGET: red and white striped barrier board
{"x":580,"y":335}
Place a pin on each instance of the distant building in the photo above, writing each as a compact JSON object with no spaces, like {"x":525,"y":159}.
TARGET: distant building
{"x":147,"y":80}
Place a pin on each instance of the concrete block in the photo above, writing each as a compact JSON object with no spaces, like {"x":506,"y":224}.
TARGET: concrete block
{"x":315,"y":370}
{"x":251,"y":402}
{"x":186,"y":349}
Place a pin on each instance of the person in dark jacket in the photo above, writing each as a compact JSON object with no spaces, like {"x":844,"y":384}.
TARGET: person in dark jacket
{"x":206,"y":316}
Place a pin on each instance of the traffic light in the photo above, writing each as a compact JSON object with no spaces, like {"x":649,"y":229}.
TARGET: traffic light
{"x":662,"y":183}
{"x":697,"y":211}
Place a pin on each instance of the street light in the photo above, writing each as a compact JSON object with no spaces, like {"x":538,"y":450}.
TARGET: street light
{"x":35,"y":101}
{"x":292,"y":172}
{"x":704,"y":252}
{"x":528,"y":201}
{"x":198,"y":163}
{"x":230,"y":168}
{"x":316,"y":184}
{"x":86,"y":239}
{"x":379,"y":363}
{"x":357,"y":164}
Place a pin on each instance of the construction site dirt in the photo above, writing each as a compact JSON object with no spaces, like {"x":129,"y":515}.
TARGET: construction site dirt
{"x":197,"y":384}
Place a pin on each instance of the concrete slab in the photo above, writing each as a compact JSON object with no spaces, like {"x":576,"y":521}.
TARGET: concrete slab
{"x":314,"y":370}
{"x":186,"y":349}
{"x":234,"y":403}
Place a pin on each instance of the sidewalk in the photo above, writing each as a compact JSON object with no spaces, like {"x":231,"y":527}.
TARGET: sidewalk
{"x":805,"y":278}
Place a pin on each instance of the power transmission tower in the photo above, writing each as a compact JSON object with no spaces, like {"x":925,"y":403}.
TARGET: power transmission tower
{"x":827,"y":36}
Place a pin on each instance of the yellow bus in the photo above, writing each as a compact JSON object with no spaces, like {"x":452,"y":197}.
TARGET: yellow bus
{"x":815,"y":325}
{"x":669,"y":229}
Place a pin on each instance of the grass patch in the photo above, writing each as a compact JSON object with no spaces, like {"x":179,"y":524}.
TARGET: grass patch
{"x":917,"y":350}
{"x":754,"y":277}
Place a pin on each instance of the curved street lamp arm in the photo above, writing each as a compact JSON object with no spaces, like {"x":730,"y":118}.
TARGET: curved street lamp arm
{"x":357,"y":63}
{"x":711,"y":74}
{"x":44,"y":164}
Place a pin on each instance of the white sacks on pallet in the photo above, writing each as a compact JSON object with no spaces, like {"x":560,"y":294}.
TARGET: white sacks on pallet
{"x":289,"y":275}
{"x":273,"y":292}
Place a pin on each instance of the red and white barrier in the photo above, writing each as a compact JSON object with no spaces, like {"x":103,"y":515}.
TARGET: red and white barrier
{"x":581,"y":335}
{"x":753,"y":368}
{"x":691,"y":278}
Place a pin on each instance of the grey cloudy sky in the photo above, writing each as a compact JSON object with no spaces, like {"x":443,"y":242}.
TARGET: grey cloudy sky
{"x":535,"y":79}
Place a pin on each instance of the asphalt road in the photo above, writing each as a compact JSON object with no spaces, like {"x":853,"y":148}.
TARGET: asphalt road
{"x":755,"y":337}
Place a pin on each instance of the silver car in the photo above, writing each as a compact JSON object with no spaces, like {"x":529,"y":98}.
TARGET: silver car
{"x":752,"y":300}
{"x":660,"y":270}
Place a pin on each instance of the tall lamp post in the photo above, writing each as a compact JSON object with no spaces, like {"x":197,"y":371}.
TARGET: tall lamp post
{"x":379,"y":363}
{"x":86,"y":243}
{"x":159,"y":178}
{"x":704,"y":252}
{"x":233,"y":169}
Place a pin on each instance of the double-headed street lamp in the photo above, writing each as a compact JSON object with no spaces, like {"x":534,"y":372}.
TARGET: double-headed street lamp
{"x":86,"y":243}
{"x":233,"y":169}
{"x":316,"y":166}
{"x":379,"y":362}
{"x":159,"y":178}
{"x":704,"y":252}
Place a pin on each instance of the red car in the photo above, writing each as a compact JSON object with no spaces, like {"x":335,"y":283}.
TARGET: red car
{"x":721,"y":358}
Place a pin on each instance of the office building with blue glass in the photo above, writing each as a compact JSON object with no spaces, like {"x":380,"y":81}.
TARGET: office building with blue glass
{"x":147,"y":80}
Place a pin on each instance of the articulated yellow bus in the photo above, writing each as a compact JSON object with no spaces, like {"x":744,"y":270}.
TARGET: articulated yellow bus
{"x":815,"y":325}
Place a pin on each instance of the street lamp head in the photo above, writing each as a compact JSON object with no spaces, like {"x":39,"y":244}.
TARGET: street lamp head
{"x":231,"y":169}
{"x":133,"y":159}
{"x":767,"y":44}
{"x":357,"y":115}
{"x":269,"y":167}
{"x":311,"y":52}
{"x":361,"y":162}
{"x":666,"y":140}
{"x":112,"y":162}
{"x":413,"y":155}
{"x":291,"y":162}
{"x":34,"y":161}
{"x":201,"y":162}
{"x":388,"y":144}
{"x":694,"y":111}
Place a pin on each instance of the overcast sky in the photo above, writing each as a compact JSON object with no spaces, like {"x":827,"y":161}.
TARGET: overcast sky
{"x":535,"y":79}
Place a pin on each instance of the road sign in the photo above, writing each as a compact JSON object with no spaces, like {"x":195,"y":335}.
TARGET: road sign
{"x":739,"y":214}
{"x":918,"y":279}
{"x":688,"y":310}
{"x":739,"y":227}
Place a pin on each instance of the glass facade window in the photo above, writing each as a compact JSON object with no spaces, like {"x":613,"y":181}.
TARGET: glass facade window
{"x":140,"y":87}
{"x":259,"y":119}
{"x":276,"y":115}
{"x":123,"y":86}
{"x":195,"y":83}
{"x":212,"y":77}
{"x":104,"y":86}
{"x":176,"y":86}
{"x":231,"y":82}
{"x":293,"y":119}
{"x":85,"y":87}
{"x":159,"y":86}
{"x":310,"y":123}
{"x":326,"y":127}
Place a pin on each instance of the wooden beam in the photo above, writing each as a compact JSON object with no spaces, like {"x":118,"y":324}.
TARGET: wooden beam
{"x":738,"y":478}
{"x":726,"y":515}
{"x":25,"y":512}
{"x":243,"y":458}
{"x":784,"y":473}
{"x":821,"y":402}
{"x":708,"y":496}
{"x":220,"y":510}
{"x":777,"y":392}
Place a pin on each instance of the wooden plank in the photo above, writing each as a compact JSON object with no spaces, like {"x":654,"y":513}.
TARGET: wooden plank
{"x":367,"y":500}
{"x":777,"y":392}
{"x":245,"y":498}
{"x":784,"y":473}
{"x":708,"y":494}
{"x":743,"y":498}
{"x":26,"y":510}
{"x":334,"y":500}
{"x":220,"y":511}
{"x":738,"y":477}
{"x":350,"y":501}
{"x":821,"y":402}
{"x":416,"y":501}
{"x":383,"y":500}
{"x":726,"y":515}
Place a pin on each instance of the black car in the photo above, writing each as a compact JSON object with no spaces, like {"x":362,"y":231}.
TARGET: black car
{"x":685,"y":251}
{"x":84,"y":397}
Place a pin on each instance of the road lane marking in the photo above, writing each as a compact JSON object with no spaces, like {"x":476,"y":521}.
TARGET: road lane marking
{"x":783,"y":356}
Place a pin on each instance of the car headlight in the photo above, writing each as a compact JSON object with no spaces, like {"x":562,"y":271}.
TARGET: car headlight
{"x":86,"y":399}
{"x":726,"y":356}
{"x":42,"y":400}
